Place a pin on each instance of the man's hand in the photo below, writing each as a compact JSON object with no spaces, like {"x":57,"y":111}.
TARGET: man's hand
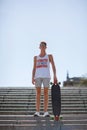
{"x":55,"y":80}
{"x":33,"y":81}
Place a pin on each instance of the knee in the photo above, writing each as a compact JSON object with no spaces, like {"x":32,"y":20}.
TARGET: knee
{"x":45,"y":91}
{"x":38,"y":91}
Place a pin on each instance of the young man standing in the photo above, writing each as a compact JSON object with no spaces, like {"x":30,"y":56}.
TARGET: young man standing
{"x":41,"y":75}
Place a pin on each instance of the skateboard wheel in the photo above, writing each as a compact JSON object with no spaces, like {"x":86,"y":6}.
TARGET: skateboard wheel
{"x":61,"y":117}
{"x":52,"y":117}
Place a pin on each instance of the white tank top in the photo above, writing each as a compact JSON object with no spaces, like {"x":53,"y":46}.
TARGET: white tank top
{"x":42,"y":67}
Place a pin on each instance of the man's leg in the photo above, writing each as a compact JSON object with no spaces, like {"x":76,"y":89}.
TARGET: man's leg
{"x":38,"y":94}
{"x":45,"y":99}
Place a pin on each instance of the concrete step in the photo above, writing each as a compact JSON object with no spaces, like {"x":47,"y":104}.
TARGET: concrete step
{"x":4,"y":119}
{"x":17,"y":105}
{"x":42,"y":97}
{"x":32,"y":112}
{"x":34,"y":96}
{"x":26,"y":122}
{"x":33,"y":107}
{"x":27,"y":117}
{"x":42,"y":104}
{"x":31,"y":90}
{"x":64,"y":104}
{"x":28,"y":93}
{"x":34,"y":91}
{"x":81,"y":102}
{"x":33,"y":100}
{"x":68,"y":100}
{"x":22,"y":100}
{"x":32,"y":121}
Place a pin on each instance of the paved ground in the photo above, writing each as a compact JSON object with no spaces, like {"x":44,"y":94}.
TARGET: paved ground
{"x":69,"y":122}
{"x":47,"y":127}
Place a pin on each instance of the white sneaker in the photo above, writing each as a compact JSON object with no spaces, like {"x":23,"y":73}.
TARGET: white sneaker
{"x":46,"y":114}
{"x":37,"y":114}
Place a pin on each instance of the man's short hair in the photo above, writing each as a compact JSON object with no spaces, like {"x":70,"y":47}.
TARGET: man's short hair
{"x":43,"y":43}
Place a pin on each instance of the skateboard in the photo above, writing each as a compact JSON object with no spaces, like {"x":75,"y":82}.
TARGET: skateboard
{"x":56,"y":100}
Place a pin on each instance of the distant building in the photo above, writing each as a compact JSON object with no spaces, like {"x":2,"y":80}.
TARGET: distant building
{"x":74,"y":81}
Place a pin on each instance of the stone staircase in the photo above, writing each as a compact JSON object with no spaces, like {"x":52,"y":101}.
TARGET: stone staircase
{"x":17,"y":106}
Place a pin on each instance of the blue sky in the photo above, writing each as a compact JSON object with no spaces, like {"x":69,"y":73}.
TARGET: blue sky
{"x":25,"y":23}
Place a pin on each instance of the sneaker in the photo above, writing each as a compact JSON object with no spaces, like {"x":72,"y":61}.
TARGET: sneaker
{"x":36,"y":114}
{"x":46,"y":114}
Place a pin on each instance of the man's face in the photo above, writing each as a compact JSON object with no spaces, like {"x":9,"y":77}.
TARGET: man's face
{"x":42,"y":46}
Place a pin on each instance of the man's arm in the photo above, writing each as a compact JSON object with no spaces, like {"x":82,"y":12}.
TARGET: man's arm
{"x":53,"y":68}
{"x":33,"y":71}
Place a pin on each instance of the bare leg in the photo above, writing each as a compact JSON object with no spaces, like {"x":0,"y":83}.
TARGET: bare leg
{"x":45,"y":99}
{"x":38,"y":93}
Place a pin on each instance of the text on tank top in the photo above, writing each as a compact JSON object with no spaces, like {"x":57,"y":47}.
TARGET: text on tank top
{"x":42,"y":67}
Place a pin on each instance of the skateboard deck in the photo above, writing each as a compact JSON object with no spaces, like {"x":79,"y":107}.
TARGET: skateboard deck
{"x":56,"y":99}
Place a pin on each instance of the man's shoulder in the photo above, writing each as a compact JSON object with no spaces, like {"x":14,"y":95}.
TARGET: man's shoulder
{"x":50,"y":57}
{"x":49,"y":54}
{"x":35,"y":57}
